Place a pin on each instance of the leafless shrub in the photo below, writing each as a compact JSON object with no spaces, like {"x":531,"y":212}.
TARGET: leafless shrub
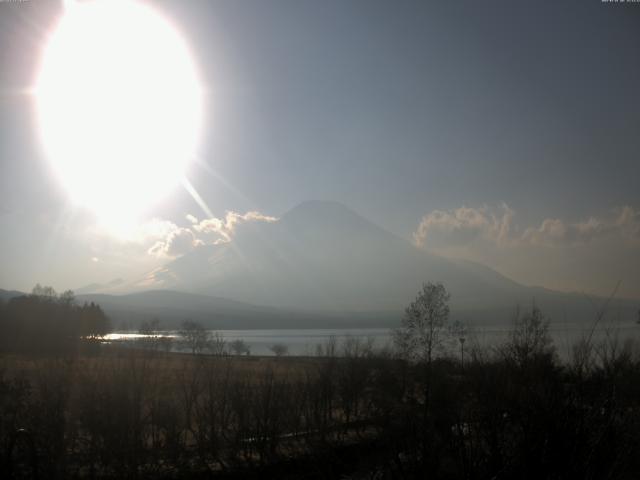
{"x":216,"y":344}
{"x":327,"y":349}
{"x":240,"y":347}
{"x":279,"y":349}
{"x":194,"y":336}
{"x":423,"y":329}
{"x":529,"y":340}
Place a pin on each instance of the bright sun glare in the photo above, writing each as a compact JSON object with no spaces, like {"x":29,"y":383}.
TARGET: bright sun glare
{"x":119,"y":106}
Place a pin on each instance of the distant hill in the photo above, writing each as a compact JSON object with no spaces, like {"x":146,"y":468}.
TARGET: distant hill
{"x":172,"y":307}
{"x":6,"y":295}
{"x":113,"y":285}
{"x":323,"y":265}
{"x":323,"y":257}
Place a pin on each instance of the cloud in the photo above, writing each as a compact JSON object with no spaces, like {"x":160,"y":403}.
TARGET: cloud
{"x":591,"y":254}
{"x":622,"y":223}
{"x":465,"y":226}
{"x":226,"y":228}
{"x":177,"y":241}
{"x":152,"y":230}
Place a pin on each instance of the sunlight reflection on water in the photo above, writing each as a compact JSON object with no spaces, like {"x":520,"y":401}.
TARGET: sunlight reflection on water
{"x":304,"y":342}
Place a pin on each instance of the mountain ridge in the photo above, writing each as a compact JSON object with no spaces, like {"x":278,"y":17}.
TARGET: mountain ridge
{"x":322,"y":256}
{"x":321,"y":264}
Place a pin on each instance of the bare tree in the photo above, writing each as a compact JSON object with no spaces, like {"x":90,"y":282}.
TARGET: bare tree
{"x":149,"y":327}
{"x":240,"y":347}
{"x":279,"y":349}
{"x":217,"y":345}
{"x":329,"y":348}
{"x":424,"y":324}
{"x":44,"y":292}
{"x":529,"y":339}
{"x":195,"y":336}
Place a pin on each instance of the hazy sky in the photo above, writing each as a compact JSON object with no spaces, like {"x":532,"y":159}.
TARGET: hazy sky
{"x":506,"y":132}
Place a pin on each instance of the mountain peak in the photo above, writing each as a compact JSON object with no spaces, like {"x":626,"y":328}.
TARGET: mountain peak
{"x":324,"y":214}
{"x":322,"y":256}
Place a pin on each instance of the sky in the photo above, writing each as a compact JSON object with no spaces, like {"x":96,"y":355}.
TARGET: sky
{"x":499,"y":131}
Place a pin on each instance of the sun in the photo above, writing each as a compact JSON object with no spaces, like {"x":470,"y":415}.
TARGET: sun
{"x":119,"y":106}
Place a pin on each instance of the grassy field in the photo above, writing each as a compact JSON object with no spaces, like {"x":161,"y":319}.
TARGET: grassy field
{"x":515,"y":412}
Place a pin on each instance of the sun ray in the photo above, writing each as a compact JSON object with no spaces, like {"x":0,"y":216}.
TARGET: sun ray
{"x":202,"y":163}
{"x":197,"y":198}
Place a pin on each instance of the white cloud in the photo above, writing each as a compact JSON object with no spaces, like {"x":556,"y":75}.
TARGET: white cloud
{"x":154,"y":229}
{"x":465,"y":226}
{"x":591,"y":254}
{"x":177,"y":243}
{"x":622,"y":223}
{"x":225,"y":228}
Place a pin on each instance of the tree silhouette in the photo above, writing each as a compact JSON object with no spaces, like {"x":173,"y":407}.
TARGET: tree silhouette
{"x":529,"y":339}
{"x":279,"y":349}
{"x":195,"y":336}
{"x":424,"y":323}
{"x":44,"y":321}
{"x":240,"y":347}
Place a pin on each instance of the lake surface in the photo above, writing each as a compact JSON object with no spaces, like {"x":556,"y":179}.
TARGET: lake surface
{"x":305,"y":342}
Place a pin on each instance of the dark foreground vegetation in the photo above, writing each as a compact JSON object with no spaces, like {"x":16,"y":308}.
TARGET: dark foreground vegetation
{"x":515,"y":411}
{"x":45,"y":321}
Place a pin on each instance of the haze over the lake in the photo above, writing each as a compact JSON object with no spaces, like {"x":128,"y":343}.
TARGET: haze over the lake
{"x":498,"y":132}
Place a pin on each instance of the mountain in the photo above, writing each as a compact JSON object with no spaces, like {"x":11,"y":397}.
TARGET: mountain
{"x":109,"y":287}
{"x":172,"y":307}
{"x":128,"y":311}
{"x":324,"y":258}
{"x":6,"y":295}
{"x":321,"y":265}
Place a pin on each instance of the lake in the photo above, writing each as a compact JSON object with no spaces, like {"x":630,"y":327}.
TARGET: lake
{"x":304,"y":342}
